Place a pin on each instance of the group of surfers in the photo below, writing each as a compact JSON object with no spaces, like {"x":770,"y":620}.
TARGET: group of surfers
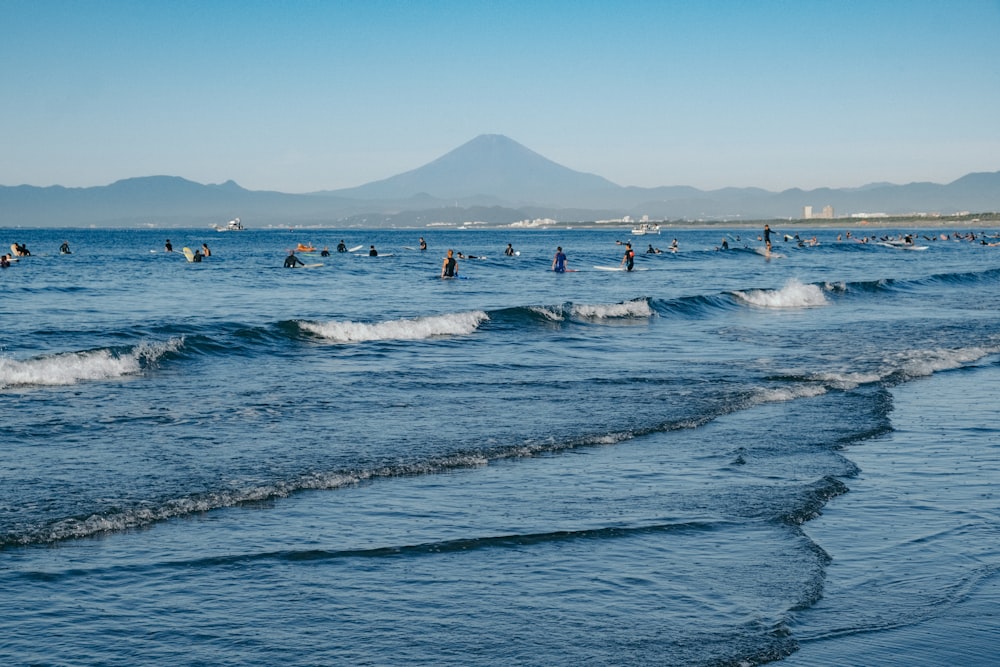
{"x":449,"y":266}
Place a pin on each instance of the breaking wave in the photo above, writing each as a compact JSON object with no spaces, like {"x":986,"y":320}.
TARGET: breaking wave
{"x":72,"y":367}
{"x":418,"y":328}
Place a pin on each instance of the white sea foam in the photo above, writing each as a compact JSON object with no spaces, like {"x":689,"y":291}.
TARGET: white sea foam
{"x":919,"y":363}
{"x":637,"y":308}
{"x":72,"y":367}
{"x":548,"y":313}
{"x":793,"y":295}
{"x":419,"y":328}
{"x":789,"y":393}
{"x":908,"y":363}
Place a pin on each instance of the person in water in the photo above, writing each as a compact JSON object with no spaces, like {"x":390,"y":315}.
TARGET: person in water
{"x":373,"y":252}
{"x":423,"y":243}
{"x":4,"y":261}
{"x":629,"y":259}
{"x":341,"y":247}
{"x":167,"y":247}
{"x":767,"y":237}
{"x":64,"y":248}
{"x":449,"y":268}
{"x":205,"y":251}
{"x":325,"y":253}
{"x":292,"y":261}
{"x":559,"y":261}
{"x":509,"y":251}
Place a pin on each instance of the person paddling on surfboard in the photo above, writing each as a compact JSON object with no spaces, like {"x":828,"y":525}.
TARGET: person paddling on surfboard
{"x":292,"y":261}
{"x":449,"y":268}
{"x":629,"y":259}
{"x":559,"y":261}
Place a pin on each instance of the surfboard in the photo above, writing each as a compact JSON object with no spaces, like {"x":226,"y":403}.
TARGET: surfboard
{"x":904,"y":246}
{"x":188,"y":253}
{"x":307,"y":266}
{"x":355,"y":248}
{"x":619,"y":268}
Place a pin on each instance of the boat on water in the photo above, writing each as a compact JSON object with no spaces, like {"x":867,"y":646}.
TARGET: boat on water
{"x":646,"y":228}
{"x":234,"y":225}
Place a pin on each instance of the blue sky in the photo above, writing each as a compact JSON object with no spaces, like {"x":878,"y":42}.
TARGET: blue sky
{"x":305,"y":96}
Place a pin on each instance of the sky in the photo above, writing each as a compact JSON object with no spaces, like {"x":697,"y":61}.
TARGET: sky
{"x":302,"y":96}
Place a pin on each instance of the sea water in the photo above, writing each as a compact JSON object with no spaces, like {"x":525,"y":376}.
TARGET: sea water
{"x":721,"y":458}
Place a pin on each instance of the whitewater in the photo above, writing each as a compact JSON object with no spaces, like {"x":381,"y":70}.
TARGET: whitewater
{"x":724,"y":458}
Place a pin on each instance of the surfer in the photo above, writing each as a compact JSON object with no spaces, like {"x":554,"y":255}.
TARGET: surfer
{"x":167,"y":247}
{"x":4,"y":261}
{"x":559,"y":261}
{"x":767,"y":237}
{"x":341,"y":247}
{"x":509,"y":250}
{"x":423,"y":243}
{"x":449,"y":268}
{"x":373,"y":252}
{"x":325,"y":253}
{"x":292,"y":261}
{"x":652,"y":251}
{"x":725,"y":244}
{"x":64,"y":248}
{"x":629,"y":259}
{"x":205,"y":251}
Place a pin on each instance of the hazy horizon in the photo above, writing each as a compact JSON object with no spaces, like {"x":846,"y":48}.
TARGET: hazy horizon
{"x":326,"y":96}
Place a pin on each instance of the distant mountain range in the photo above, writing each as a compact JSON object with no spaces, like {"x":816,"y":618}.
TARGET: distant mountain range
{"x":490,"y":179}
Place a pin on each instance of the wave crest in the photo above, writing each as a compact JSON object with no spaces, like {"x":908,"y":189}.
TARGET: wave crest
{"x":636,"y":308}
{"x":72,"y":367}
{"x":419,"y":328}
{"x":794,"y":294}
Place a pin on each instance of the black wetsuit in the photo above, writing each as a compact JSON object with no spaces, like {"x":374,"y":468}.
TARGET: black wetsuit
{"x":449,"y":267}
{"x":629,"y":259}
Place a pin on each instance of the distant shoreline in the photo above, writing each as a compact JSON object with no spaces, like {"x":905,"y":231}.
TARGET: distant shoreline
{"x":964,"y":222}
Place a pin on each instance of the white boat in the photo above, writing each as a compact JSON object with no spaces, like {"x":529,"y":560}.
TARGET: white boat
{"x":234,"y":226}
{"x":646,"y":228}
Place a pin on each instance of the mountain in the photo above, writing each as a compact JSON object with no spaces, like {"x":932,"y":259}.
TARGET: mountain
{"x":494,"y":167}
{"x":491,"y":178}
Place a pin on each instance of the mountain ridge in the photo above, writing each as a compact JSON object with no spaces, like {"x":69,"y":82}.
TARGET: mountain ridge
{"x":489,"y":173}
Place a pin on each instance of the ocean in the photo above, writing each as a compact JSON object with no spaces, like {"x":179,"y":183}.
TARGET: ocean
{"x":720,"y":458}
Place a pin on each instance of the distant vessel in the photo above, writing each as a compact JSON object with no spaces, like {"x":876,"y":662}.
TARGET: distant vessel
{"x":646,"y":228}
{"x":234,"y":226}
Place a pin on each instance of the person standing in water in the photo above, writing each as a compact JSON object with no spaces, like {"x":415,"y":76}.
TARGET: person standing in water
{"x":167,"y":247}
{"x":423,"y":243}
{"x":629,"y":259}
{"x":449,"y":268}
{"x":559,"y":261}
{"x":767,"y":237}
